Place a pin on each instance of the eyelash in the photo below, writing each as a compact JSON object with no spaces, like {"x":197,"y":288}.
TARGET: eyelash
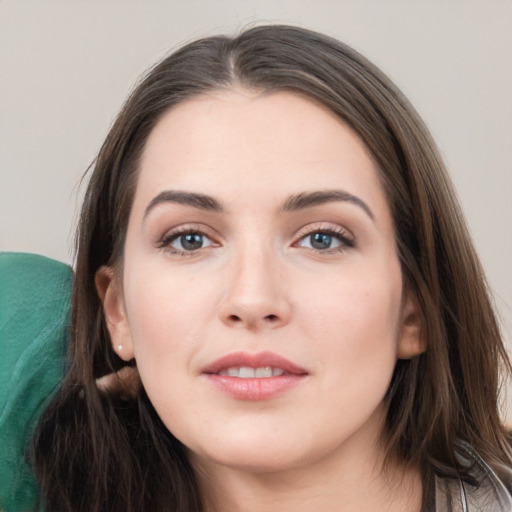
{"x":344,"y":237}
{"x":169,"y":237}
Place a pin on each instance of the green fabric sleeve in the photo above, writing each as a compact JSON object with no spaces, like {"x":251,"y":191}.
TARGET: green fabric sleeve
{"x":35,"y":299}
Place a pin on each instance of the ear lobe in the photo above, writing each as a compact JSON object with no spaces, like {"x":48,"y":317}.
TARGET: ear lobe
{"x":110,"y":294}
{"x":411,"y":340}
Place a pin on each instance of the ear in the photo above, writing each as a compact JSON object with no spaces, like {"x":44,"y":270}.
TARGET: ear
{"x":411,"y":341}
{"x":111,"y":296}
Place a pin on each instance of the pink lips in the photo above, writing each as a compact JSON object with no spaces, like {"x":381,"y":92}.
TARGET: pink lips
{"x":254,"y":388}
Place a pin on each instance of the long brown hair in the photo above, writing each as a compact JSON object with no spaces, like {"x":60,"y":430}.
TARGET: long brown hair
{"x":97,"y":451}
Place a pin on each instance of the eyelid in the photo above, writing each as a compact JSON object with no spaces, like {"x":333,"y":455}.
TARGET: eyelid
{"x":343,"y":234}
{"x":164,"y":241}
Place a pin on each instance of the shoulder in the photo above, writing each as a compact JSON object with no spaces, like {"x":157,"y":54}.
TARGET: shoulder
{"x":490,"y":492}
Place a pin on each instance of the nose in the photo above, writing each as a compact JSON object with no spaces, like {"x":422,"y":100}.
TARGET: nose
{"x":255,"y":298}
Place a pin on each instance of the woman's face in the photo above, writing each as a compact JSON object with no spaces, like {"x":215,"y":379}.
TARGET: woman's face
{"x":261,"y":291}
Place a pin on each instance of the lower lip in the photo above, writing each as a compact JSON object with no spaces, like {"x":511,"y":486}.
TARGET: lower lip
{"x":255,"y":389}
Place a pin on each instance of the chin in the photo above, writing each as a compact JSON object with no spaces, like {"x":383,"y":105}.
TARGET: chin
{"x":253,"y":461}
{"x":257,"y":452}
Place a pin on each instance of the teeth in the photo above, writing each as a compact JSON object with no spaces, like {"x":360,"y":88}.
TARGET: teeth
{"x":247,"y":373}
{"x":244,"y":372}
{"x":263,"y":372}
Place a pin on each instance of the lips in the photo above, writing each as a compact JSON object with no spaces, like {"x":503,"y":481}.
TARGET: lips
{"x":253,"y":376}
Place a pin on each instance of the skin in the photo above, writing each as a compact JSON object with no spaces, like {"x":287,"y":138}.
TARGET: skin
{"x":258,"y":284}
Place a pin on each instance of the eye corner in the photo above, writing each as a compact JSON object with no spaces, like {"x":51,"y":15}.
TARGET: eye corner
{"x":187,"y":240}
{"x":325,"y":239}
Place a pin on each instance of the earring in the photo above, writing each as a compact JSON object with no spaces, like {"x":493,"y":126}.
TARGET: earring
{"x":120,"y":347}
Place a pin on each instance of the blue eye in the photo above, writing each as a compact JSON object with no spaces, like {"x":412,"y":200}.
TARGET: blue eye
{"x":188,"y":242}
{"x":325,"y":241}
{"x":320,"y":241}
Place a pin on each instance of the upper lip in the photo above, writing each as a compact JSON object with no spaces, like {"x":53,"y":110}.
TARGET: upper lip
{"x":259,"y":360}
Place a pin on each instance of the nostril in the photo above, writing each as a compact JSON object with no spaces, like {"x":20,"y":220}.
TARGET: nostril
{"x":234,"y":318}
{"x":271,"y":318}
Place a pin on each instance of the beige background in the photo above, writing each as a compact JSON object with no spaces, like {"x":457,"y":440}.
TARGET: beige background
{"x":66,"y":67}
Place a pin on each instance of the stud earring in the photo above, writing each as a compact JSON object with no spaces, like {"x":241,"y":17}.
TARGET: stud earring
{"x":119,"y":347}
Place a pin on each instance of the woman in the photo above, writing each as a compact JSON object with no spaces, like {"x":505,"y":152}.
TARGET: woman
{"x":270,"y":242}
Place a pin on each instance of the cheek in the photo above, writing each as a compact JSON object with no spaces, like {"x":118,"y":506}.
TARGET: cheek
{"x":355,"y":349}
{"x":355,"y":321}
{"x":165,"y":315}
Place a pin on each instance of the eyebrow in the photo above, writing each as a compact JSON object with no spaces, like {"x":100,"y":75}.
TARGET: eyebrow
{"x":310,"y":199}
{"x":200,"y":201}
{"x":295,"y":202}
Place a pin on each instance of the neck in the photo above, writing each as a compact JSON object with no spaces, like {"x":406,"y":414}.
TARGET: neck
{"x":332,"y":485}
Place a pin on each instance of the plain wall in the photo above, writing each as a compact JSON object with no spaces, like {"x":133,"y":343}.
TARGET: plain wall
{"x":67,"y":66}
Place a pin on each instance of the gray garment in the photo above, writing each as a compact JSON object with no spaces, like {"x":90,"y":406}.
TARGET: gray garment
{"x":491,"y":495}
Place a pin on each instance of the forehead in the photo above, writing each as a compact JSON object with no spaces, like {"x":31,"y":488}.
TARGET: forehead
{"x":239,"y":116}
{"x":277,"y":143}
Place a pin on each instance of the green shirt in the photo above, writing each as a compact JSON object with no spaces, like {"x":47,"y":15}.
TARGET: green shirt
{"x":35,"y":302}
